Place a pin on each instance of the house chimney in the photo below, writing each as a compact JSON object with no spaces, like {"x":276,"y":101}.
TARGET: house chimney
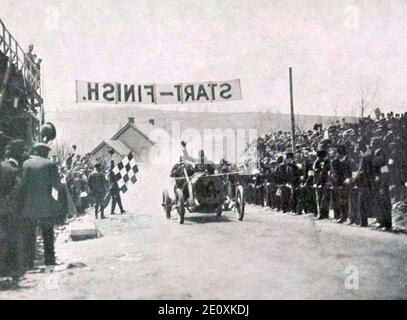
{"x":131,"y":120}
{"x":152,"y":122}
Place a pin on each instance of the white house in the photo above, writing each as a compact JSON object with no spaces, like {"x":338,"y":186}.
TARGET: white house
{"x":130,"y":138}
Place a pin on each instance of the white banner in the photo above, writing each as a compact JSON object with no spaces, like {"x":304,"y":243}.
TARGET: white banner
{"x":120,"y":93}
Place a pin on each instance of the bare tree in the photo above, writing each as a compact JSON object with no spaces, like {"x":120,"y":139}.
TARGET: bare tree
{"x":299,"y":123}
{"x":62,"y":149}
{"x":367,"y":96}
{"x":265,"y":120}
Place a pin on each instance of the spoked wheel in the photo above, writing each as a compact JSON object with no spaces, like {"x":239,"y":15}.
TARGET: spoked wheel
{"x":240,"y":203}
{"x":180,"y":205}
{"x":167,"y":204}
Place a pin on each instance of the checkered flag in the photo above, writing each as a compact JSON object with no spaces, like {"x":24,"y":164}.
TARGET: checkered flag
{"x":125,"y":171}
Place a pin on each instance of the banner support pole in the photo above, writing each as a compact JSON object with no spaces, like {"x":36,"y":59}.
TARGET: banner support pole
{"x":292,"y":112}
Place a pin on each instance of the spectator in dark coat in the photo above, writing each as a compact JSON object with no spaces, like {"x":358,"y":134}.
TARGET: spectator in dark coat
{"x":97,"y":185}
{"x":39,"y":188}
{"x":115,"y":191}
{"x":10,"y":184}
{"x":292,"y":179}
{"x":340,"y":171}
{"x":321,"y":178}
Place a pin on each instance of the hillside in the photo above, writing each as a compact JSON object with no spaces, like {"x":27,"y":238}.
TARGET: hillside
{"x":89,"y":127}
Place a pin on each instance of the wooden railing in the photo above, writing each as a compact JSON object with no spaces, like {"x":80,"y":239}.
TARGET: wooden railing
{"x":10,"y":48}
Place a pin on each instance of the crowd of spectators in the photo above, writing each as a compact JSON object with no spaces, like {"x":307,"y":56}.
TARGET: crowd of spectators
{"x":357,"y":169}
{"x":38,"y":192}
{"x":76,"y":171}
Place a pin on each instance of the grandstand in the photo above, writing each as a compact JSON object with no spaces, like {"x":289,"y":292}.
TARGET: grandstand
{"x":21,"y":104}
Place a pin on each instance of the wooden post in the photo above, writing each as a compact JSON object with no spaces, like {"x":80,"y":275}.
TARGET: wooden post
{"x":292,"y":112}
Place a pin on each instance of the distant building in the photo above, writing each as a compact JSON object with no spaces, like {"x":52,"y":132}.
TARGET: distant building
{"x":129,"y":138}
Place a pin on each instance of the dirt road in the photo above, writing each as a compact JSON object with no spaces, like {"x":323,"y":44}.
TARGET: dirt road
{"x":267,"y":256}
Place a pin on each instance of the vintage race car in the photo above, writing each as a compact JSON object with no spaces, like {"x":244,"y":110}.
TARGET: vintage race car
{"x":205,"y":193}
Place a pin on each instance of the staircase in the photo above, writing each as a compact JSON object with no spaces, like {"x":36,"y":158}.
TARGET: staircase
{"x":13,"y":56}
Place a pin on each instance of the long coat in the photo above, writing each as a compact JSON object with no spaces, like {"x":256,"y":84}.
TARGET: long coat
{"x":10,"y":227}
{"x":97,"y":183}
{"x":8,"y":177}
{"x":40,"y":176}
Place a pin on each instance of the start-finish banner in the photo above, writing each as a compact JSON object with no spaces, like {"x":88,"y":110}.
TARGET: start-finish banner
{"x":120,"y":93}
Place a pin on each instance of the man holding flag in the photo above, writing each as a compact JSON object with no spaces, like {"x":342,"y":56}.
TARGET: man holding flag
{"x":119,"y":176}
{"x":97,"y":186}
{"x":115,"y":191}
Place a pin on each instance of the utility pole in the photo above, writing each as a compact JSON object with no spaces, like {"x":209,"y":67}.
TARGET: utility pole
{"x":292,"y":112}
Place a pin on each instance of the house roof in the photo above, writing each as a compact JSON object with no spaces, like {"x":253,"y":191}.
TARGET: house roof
{"x":142,"y":130}
{"x":116,"y":145}
{"x":119,"y":146}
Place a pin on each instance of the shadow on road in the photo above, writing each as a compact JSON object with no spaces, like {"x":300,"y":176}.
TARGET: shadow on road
{"x":207,"y":218}
{"x":8,"y":285}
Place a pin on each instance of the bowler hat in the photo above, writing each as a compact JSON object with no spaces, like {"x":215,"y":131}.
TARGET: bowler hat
{"x":41,"y":145}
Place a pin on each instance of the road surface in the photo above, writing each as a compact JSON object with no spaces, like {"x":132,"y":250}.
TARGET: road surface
{"x":269,"y":255}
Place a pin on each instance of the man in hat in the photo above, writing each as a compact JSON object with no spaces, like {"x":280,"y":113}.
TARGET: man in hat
{"x":372,"y":180}
{"x":29,"y":58}
{"x":305,"y":192}
{"x":273,"y":184}
{"x":381,"y":188}
{"x":292,"y":179}
{"x":397,"y":173}
{"x":40,"y":186}
{"x":15,"y":157}
{"x":69,"y":159}
{"x":340,"y":172}
{"x":115,"y":191}
{"x":97,"y":187}
{"x":10,"y":207}
{"x":269,"y":190}
{"x":279,"y":178}
{"x":364,"y":180}
{"x":320,"y":177}
{"x":359,"y":150}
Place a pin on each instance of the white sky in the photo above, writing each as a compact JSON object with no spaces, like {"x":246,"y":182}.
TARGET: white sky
{"x":333,"y":46}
